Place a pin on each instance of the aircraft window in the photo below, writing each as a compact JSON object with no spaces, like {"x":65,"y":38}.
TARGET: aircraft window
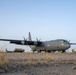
{"x":64,"y":41}
{"x":61,"y":41}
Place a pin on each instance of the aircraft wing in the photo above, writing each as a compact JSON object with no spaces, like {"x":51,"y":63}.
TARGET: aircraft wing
{"x":23,"y":42}
{"x":72,"y":43}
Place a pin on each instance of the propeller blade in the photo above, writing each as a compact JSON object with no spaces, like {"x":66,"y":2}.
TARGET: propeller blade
{"x":24,"y":38}
{"x":37,"y":39}
{"x":69,"y":41}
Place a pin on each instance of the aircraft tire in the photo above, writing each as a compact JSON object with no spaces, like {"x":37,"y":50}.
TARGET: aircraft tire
{"x":39,"y":51}
{"x":45,"y":51}
{"x":49,"y":51}
{"x":33,"y":51}
{"x":63,"y":51}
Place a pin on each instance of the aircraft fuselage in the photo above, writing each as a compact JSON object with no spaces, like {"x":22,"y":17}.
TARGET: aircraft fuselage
{"x":53,"y":45}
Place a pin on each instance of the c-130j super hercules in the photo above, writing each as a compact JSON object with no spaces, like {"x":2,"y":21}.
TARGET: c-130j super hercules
{"x":47,"y":46}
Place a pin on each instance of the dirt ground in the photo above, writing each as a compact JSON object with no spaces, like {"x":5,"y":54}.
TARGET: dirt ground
{"x":40,"y":64}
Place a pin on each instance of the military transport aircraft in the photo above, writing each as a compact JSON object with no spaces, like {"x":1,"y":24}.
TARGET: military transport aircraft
{"x":47,"y":46}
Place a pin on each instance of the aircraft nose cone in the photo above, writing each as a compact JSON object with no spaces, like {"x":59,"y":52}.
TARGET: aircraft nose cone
{"x":67,"y":45}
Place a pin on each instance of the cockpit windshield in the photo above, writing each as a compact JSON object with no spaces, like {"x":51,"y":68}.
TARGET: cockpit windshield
{"x":64,"y":40}
{"x":61,"y":40}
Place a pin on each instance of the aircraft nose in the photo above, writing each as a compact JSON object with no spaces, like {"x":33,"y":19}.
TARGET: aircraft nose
{"x":67,"y":45}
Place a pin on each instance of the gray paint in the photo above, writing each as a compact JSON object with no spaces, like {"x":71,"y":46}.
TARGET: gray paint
{"x":53,"y":45}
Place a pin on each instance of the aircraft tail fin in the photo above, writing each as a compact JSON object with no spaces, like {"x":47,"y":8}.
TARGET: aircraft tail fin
{"x":30,"y":39}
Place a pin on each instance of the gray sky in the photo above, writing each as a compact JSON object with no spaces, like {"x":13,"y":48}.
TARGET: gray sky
{"x":45,"y":19}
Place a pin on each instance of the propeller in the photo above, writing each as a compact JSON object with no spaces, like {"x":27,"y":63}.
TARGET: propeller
{"x":37,"y":43}
{"x":38,"y":39}
{"x":23,"y":41}
{"x":24,"y":38}
{"x":71,"y":43}
{"x":68,"y":40}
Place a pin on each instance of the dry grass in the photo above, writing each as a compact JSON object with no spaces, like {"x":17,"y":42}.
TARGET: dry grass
{"x":30,"y":58}
{"x":37,"y":58}
{"x":48,"y":57}
{"x":4,"y":62}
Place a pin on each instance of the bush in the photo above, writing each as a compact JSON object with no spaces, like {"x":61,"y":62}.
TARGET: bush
{"x":4,"y":62}
{"x":73,"y":50}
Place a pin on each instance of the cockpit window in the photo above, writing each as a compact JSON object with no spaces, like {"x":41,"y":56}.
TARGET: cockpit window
{"x":62,"y":41}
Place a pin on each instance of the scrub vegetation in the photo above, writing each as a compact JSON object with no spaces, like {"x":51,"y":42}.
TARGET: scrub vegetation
{"x":4,"y":62}
{"x":27,"y":58}
{"x":13,"y":62}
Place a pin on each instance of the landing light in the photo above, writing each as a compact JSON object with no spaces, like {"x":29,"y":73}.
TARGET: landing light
{"x":62,"y":44}
{"x":48,"y":45}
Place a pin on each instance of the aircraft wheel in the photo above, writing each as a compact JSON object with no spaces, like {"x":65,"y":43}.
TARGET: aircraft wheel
{"x":63,"y":51}
{"x":33,"y":51}
{"x":45,"y":51}
{"x":49,"y":51}
{"x":39,"y":51}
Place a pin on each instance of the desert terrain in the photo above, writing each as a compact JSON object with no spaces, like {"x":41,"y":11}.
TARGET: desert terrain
{"x":37,"y":63}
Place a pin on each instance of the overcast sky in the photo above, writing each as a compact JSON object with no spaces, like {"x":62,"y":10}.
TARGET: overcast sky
{"x":45,"y":19}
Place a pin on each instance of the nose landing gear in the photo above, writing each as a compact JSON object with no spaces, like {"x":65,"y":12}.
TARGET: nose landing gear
{"x":63,"y":51}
